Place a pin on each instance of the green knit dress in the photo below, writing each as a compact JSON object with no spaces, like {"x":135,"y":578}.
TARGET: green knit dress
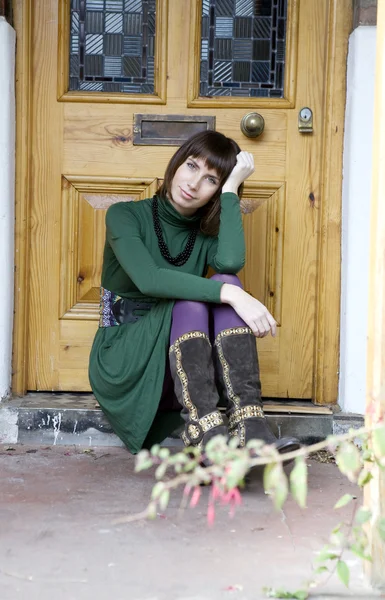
{"x":127,"y":362}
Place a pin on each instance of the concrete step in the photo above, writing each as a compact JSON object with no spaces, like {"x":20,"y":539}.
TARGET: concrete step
{"x":75,"y":419}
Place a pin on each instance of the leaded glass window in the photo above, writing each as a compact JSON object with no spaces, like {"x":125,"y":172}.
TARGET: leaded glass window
{"x":243,"y":44}
{"x":112,"y":46}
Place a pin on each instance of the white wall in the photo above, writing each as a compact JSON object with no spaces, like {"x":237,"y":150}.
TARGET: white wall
{"x":7,"y":199}
{"x":355,"y":218}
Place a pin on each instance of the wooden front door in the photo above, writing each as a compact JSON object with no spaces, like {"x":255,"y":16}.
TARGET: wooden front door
{"x":201,"y":58}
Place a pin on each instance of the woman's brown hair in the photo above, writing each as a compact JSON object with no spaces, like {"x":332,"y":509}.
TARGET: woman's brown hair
{"x":220,"y":153}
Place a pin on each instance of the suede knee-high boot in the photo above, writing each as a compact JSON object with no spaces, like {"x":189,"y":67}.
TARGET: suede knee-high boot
{"x":238,"y":380}
{"x":192,"y":370}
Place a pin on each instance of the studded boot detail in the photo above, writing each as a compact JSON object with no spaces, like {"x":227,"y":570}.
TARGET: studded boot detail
{"x":238,"y":380}
{"x":192,"y":370}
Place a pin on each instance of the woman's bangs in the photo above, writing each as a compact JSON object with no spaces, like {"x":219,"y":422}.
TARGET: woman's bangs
{"x":218,"y":151}
{"x":222,"y":164}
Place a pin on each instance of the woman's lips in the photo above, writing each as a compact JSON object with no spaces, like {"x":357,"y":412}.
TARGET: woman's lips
{"x":185,"y":194}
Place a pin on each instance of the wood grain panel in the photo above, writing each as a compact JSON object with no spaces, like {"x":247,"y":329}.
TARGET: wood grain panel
{"x":45,"y":202}
{"x":23,"y":85}
{"x":97,"y":140}
{"x":84,"y":202}
{"x":302,"y":210}
{"x":84,"y":331}
{"x":73,"y":380}
{"x":329,"y":242}
{"x":264,"y":209}
{"x":73,"y":355}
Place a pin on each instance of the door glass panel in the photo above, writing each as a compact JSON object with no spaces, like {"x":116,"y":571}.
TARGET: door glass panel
{"x":243,"y":48}
{"x":112,"y":46}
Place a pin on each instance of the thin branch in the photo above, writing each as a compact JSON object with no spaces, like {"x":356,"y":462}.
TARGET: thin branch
{"x":132,"y":518}
{"x":305,"y":451}
{"x":344,"y":547}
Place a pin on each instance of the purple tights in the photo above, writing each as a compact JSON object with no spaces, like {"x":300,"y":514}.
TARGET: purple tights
{"x":188,"y":315}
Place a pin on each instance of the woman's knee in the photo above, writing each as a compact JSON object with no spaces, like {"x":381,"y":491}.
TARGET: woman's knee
{"x":227,"y":278}
{"x":190,"y":308}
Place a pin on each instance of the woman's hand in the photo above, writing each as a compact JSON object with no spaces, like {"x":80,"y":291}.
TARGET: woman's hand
{"x":242,"y":170}
{"x":253,"y":312}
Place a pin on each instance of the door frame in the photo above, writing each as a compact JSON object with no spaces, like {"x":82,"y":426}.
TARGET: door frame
{"x":326,"y":359}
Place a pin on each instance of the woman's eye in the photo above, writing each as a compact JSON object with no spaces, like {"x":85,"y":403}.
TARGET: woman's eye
{"x":191,"y":165}
{"x":211,"y":180}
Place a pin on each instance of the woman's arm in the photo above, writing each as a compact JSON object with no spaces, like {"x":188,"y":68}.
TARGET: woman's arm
{"x":123,"y":235}
{"x":253,"y":312}
{"x":227,"y":252}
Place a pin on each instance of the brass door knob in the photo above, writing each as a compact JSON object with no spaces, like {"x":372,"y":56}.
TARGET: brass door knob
{"x":252,"y":125}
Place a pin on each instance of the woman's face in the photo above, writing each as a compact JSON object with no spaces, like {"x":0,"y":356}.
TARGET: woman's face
{"x":193,"y":186}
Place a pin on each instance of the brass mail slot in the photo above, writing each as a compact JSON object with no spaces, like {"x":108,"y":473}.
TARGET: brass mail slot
{"x":168,"y":130}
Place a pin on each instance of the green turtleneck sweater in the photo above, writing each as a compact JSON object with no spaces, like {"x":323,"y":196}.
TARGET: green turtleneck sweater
{"x":127,"y":362}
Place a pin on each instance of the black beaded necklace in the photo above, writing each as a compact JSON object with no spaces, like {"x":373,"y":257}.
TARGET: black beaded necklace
{"x":183,"y":256}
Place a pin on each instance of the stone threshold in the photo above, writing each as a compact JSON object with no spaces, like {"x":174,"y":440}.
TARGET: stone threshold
{"x":76,"y":419}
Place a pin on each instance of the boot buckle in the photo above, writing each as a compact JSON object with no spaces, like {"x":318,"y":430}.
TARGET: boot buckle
{"x":195,"y":430}
{"x":245,"y":412}
{"x":193,"y":433}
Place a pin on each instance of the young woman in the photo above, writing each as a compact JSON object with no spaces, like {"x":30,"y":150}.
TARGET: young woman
{"x":166,"y":330}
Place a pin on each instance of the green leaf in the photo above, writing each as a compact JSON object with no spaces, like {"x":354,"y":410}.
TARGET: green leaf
{"x":381,"y":528}
{"x":143,"y":461}
{"x":348,"y":459}
{"x":254,"y":445}
{"x":280,"y":593}
{"x":179,"y":458}
{"x":164,"y":453}
{"x":236,"y":473}
{"x":216,"y":447}
{"x":358,"y":551}
{"x":337,"y":528}
{"x":151,"y":510}
{"x":301,"y":594}
{"x":364,"y":477}
{"x":298,"y":481}
{"x":378,"y":440}
{"x":367,"y":455}
{"x":363,"y":515}
{"x":164,"y":499}
{"x":326,"y":554}
{"x":155,"y":450}
{"x":344,"y":500}
{"x":141,"y":456}
{"x":190,"y":466}
{"x":337,"y":539}
{"x":161,"y":470}
{"x":343,"y":572}
{"x":275,"y":483}
{"x":157,"y":490}
{"x":321,"y":569}
{"x":144,"y":466}
{"x":233,"y":443}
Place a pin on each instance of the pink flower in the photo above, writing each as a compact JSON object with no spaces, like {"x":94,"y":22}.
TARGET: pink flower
{"x":234,"y":498}
{"x":195,"y":497}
